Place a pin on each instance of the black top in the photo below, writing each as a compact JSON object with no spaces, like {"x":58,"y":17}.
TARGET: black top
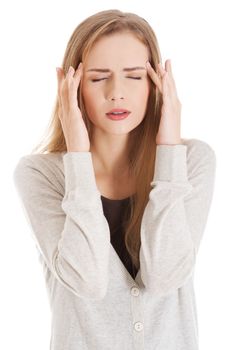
{"x":116,"y":211}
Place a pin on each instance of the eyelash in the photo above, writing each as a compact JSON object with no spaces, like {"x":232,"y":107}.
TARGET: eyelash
{"x":95,"y":80}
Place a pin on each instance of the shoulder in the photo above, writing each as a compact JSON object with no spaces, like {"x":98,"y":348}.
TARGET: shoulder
{"x":201,"y":159}
{"x":33,"y":168}
{"x":199,"y":149}
{"x":197,"y":144}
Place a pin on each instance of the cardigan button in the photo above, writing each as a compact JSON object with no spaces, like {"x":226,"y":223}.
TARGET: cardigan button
{"x":135,"y":291}
{"x":138,"y":326}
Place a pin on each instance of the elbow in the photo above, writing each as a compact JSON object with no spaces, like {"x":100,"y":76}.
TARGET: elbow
{"x":94,"y":289}
{"x":163,"y":288}
{"x":83,"y":285}
{"x":167,"y":282}
{"x":93,"y":292}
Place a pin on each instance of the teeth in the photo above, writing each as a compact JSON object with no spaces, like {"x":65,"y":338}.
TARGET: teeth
{"x":118,"y":112}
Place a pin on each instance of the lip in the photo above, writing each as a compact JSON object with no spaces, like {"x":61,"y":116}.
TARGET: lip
{"x":120,"y":116}
{"x":118,"y":110}
{"x":117,"y":117}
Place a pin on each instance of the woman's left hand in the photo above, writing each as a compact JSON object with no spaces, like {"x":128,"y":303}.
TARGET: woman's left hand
{"x":169,"y":128}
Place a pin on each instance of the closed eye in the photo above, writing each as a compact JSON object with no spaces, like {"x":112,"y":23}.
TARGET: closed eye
{"x":95,"y":80}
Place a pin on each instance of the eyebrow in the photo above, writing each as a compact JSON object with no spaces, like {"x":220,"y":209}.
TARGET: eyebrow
{"x":104,"y":70}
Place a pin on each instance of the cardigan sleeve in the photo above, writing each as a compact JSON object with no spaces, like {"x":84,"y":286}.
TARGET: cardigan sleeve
{"x":175,"y":216}
{"x":71,"y":232}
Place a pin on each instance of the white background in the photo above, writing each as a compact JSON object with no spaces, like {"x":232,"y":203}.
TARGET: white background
{"x":198,"y":38}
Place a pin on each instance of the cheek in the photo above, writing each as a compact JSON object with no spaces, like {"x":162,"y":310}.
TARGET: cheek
{"x":144,"y":91}
{"x":91,"y":103}
{"x":87,"y":95}
{"x":87,"y":100}
{"x":85,"y":90}
{"x":91,"y":93}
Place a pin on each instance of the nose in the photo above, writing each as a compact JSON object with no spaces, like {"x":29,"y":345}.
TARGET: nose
{"x":115,"y":90}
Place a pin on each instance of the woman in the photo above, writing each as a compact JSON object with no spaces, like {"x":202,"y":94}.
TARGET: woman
{"x":116,"y":199}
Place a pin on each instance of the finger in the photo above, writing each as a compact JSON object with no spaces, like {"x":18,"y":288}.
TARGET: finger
{"x":59,"y":107}
{"x":60,"y":79}
{"x":168,"y":66}
{"x":79,"y":70}
{"x":154,"y":76}
{"x":78,"y":74}
{"x":70,"y":73}
{"x":75,"y":81}
{"x":60,"y":75}
{"x":161,"y":70}
{"x":169,"y":70}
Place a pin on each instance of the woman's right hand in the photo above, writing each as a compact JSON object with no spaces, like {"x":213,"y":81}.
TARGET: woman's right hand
{"x":74,"y":129}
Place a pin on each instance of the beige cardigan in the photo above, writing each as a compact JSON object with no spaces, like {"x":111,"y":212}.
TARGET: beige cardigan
{"x":95,"y":302}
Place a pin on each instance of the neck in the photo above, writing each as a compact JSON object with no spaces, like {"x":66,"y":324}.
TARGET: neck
{"x":109,"y":154}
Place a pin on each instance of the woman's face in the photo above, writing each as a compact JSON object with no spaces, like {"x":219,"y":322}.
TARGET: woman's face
{"x":117,"y":88}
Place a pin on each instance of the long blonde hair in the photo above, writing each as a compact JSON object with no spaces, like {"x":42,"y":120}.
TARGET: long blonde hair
{"x":141,"y":142}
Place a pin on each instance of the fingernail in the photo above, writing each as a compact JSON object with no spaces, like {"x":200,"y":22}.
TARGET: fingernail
{"x":57,"y":69}
{"x":148,"y":64}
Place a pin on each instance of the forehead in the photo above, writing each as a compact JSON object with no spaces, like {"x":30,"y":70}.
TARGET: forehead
{"x":120,"y":48}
